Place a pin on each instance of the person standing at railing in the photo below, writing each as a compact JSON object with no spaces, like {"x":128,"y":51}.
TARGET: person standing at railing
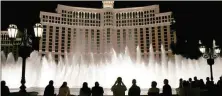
{"x":64,"y":90}
{"x":4,"y":89}
{"x":202,"y":85}
{"x":191,"y":83}
{"x":167,"y":90}
{"x":219,"y":86}
{"x":195,"y":83}
{"x":209,"y":84}
{"x":85,"y":90}
{"x":134,"y":89}
{"x":119,"y":88}
{"x":49,"y":90}
{"x":181,"y":83}
{"x":154,"y":91}
{"x":97,"y":90}
{"x":219,"y":83}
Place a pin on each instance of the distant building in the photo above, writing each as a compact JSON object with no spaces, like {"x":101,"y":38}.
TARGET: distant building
{"x":92,"y":30}
{"x":6,"y":45}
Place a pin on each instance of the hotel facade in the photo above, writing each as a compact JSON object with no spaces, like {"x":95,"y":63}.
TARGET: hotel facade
{"x":97,"y":31}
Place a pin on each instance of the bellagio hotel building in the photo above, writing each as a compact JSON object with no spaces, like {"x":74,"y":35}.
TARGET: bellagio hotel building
{"x":91,"y":30}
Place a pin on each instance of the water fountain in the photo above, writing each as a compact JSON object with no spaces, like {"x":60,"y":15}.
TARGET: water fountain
{"x":75,"y":70}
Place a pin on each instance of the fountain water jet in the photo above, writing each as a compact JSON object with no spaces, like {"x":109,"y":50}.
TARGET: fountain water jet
{"x":75,"y":70}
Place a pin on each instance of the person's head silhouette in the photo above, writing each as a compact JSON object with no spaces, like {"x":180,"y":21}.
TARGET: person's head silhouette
{"x":153,"y":84}
{"x":119,"y":80}
{"x":208,"y":79}
{"x":201,"y":80}
{"x":85,"y":85}
{"x":195,"y":78}
{"x":64,"y":84}
{"x":134,"y":81}
{"x":50,"y":82}
{"x":166,"y":81}
{"x":3,"y":83}
{"x":96,"y":84}
{"x":190,"y":79}
{"x":181,"y":80}
{"x":220,"y":77}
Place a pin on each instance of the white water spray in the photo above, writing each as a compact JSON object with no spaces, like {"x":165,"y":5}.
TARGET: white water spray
{"x":75,"y":70}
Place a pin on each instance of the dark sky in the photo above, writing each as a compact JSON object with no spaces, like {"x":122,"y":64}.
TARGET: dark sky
{"x":195,"y":20}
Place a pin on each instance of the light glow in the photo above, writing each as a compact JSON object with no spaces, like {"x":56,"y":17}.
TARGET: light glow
{"x":38,"y":29}
{"x":12,"y":31}
{"x":217,"y":50}
{"x":202,"y":49}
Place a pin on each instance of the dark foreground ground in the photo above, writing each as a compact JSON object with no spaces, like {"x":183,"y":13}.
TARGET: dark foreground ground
{"x":180,"y":92}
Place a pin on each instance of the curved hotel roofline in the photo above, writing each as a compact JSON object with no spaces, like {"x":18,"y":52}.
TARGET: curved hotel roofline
{"x":115,"y":10}
{"x":73,"y":8}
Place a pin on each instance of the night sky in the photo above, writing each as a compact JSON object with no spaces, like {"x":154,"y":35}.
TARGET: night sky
{"x":194,"y":20}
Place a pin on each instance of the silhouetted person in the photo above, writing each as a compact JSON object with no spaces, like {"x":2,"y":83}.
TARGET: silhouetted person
{"x":4,"y":89}
{"x":181,"y":83}
{"x":153,"y":91}
{"x":134,"y":90}
{"x":49,"y":89}
{"x":219,"y":83}
{"x":167,"y":91}
{"x":191,"y":83}
{"x":119,"y":88}
{"x":195,"y":83}
{"x":85,"y":90}
{"x":202,"y":85}
{"x":97,"y":90}
{"x":208,"y":83}
{"x":186,"y":84}
{"x":190,"y":80}
{"x":210,"y":87}
{"x":186,"y":87}
{"x":64,"y":90}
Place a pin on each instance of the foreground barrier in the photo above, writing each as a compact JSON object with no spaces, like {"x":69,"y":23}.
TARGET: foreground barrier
{"x":179,"y":92}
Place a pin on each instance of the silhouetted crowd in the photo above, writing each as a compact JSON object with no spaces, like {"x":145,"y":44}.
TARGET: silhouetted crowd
{"x":119,"y":88}
{"x":207,"y":89}
{"x":199,"y":83}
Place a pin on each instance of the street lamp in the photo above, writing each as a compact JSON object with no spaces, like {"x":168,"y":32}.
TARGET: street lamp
{"x":210,"y":54}
{"x":24,"y":47}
